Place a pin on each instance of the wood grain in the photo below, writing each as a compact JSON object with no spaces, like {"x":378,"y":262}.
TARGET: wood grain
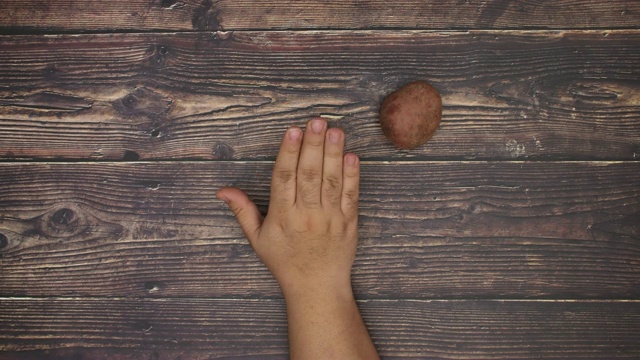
{"x":104,"y":256}
{"x":427,"y":230}
{"x":80,"y":328}
{"x":507,"y":95}
{"x":76,"y":15}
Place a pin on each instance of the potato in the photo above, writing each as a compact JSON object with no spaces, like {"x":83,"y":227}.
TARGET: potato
{"x":411,"y":115}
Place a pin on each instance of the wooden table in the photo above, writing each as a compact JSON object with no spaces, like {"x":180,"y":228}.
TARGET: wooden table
{"x":514,"y":234}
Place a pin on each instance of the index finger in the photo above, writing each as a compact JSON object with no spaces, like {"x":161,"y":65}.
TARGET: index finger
{"x":283,"y":180}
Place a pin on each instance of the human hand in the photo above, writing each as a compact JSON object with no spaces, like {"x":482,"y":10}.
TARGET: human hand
{"x":308,"y":239}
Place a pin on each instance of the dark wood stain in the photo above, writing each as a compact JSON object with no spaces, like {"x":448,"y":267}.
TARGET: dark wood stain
{"x":130,"y":155}
{"x":142,"y":101}
{"x":52,"y":101}
{"x":434,"y":229}
{"x":4,"y":241}
{"x":525,"y":95}
{"x":198,"y":328}
{"x":490,"y":12}
{"x":222,"y":151}
{"x":188,"y":15}
{"x":113,"y":246}
{"x":205,"y":17}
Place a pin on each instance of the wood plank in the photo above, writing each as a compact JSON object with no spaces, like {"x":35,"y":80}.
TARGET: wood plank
{"x":507,"y":95}
{"x":212,"y":328}
{"x":427,"y":230}
{"x":76,"y":15}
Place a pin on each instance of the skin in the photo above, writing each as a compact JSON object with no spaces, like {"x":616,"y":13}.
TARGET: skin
{"x":308,"y":241}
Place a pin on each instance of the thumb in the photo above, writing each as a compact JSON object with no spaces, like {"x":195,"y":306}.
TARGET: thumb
{"x":246,"y":211}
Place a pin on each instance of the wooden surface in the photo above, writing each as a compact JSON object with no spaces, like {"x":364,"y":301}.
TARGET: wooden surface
{"x":197,"y":328}
{"x":507,"y":95}
{"x":514,"y":234}
{"x":435,"y":229}
{"x":203,"y":15}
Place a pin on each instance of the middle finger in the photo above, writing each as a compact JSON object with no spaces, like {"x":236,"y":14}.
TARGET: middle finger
{"x":309,"y":178}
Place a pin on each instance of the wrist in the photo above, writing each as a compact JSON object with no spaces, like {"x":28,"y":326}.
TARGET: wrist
{"x":323,"y":290}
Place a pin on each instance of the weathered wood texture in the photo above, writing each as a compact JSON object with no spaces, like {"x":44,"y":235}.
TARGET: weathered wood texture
{"x":95,"y":15}
{"x":135,"y":260}
{"x":211,"y":329}
{"x":428,"y":230}
{"x":535,"y":95}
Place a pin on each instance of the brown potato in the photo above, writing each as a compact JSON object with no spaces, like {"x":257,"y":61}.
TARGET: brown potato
{"x":411,"y":115}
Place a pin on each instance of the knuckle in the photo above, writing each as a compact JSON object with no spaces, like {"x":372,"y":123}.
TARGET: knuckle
{"x":291,"y":150}
{"x":351,"y":173}
{"x":351,"y":197}
{"x":333,"y":152}
{"x":309,"y":175}
{"x":315,"y":141}
{"x":332,"y":185}
{"x":237,"y":211}
{"x":284,"y":175}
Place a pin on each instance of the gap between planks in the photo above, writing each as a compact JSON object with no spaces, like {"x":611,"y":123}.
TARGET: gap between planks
{"x":443,"y":32}
{"x":362,"y":162}
{"x":231,"y":299}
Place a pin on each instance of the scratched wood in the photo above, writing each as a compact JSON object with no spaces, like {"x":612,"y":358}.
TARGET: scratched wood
{"x":103,"y":259}
{"x":434,"y":229}
{"x":144,"y":15}
{"x":507,"y":95}
{"x":81,"y":328}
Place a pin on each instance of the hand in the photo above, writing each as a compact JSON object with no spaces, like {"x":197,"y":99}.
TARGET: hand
{"x":308,"y":239}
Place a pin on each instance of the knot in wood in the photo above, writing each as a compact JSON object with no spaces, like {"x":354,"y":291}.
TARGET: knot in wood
{"x":61,"y":223}
{"x":130,"y":101}
{"x":4,"y":241}
{"x":131,"y":156}
{"x":222,"y":151}
{"x":206,"y":16}
{"x":143,"y":102}
{"x":159,"y":57}
{"x":63,"y":217}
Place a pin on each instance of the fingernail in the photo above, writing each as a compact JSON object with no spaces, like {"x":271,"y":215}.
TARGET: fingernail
{"x":294,"y":134}
{"x":351,"y":159}
{"x":334,"y":136}
{"x":317,"y":126}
